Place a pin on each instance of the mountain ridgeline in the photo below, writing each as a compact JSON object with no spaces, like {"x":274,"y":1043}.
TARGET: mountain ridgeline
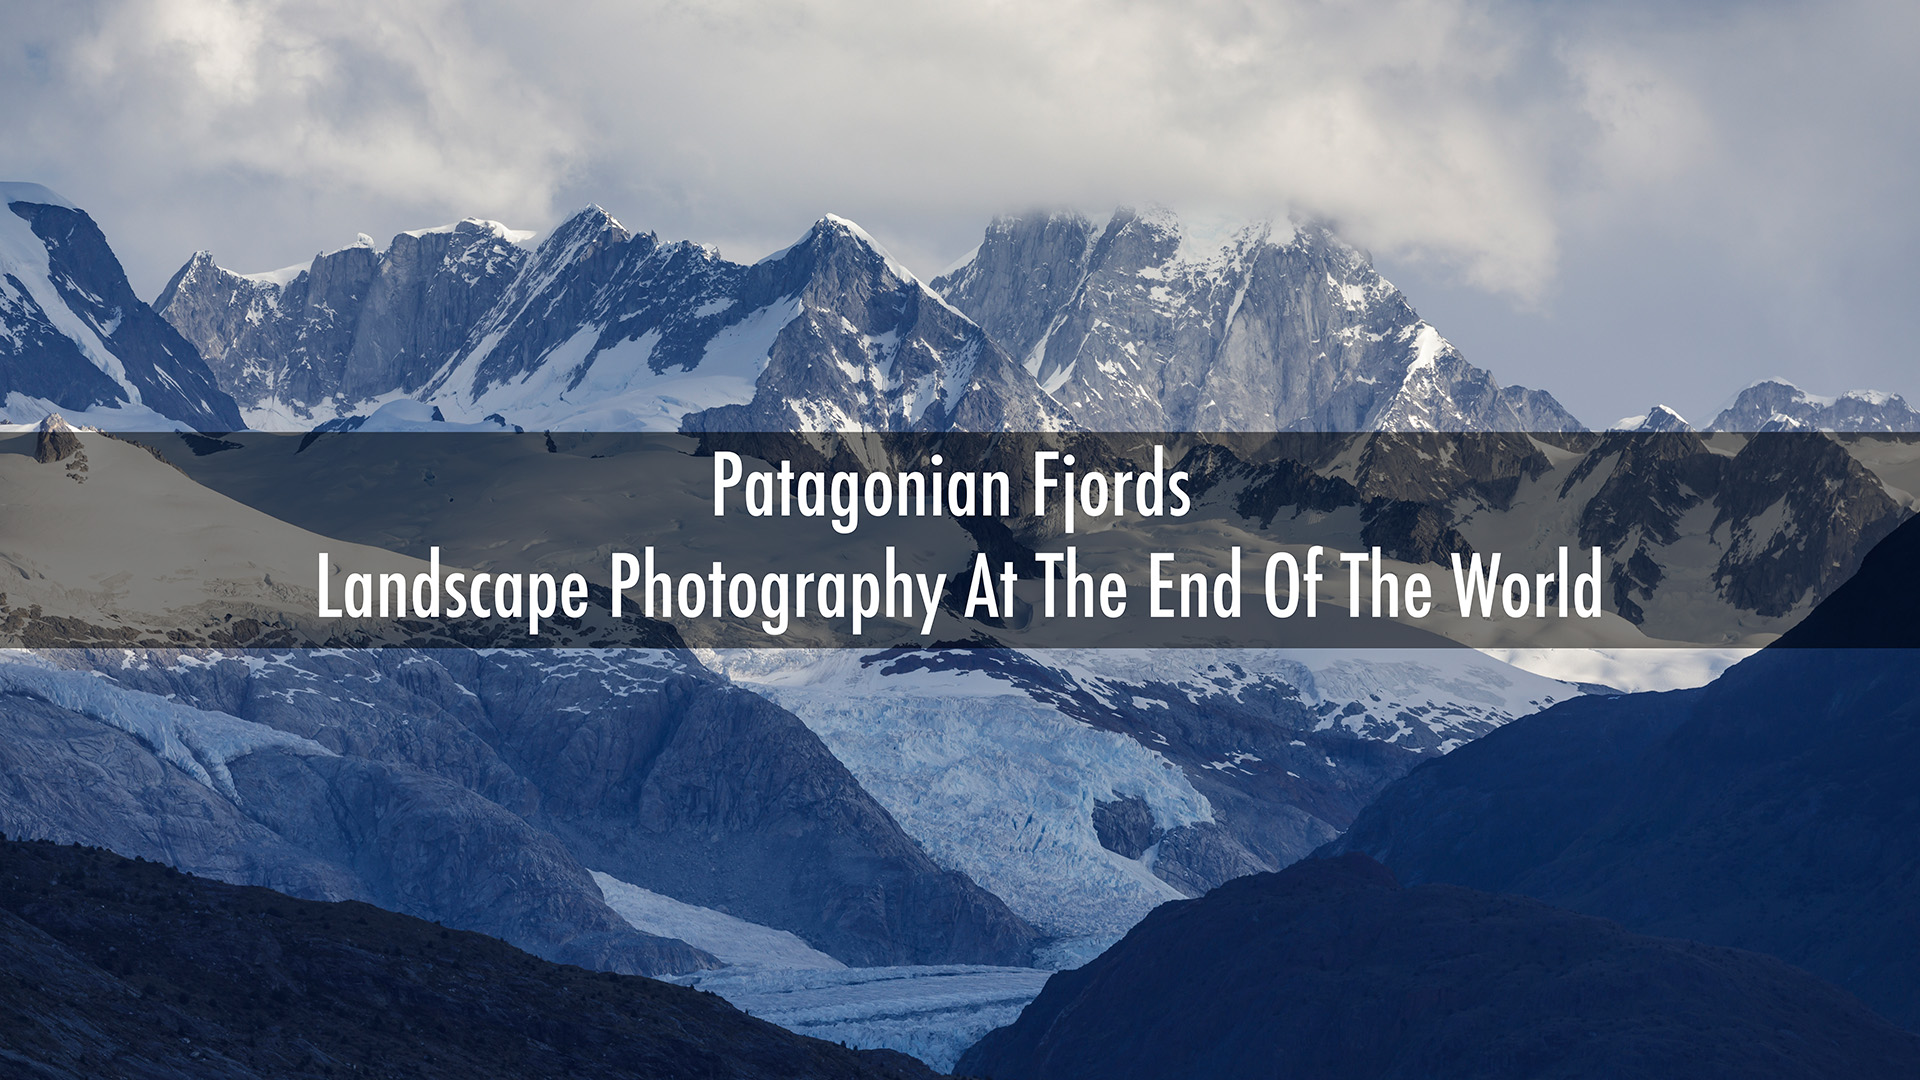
{"x":1778,"y":405}
{"x":74,"y":336}
{"x":1141,"y":323}
{"x":1146,"y":323}
{"x":118,"y":967}
{"x":1331,"y":969}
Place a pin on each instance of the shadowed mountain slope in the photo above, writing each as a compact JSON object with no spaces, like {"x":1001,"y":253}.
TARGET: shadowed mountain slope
{"x":1330,"y":969}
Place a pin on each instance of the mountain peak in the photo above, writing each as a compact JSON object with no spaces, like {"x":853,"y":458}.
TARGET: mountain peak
{"x":1774,"y":404}
{"x":592,"y":216}
{"x":1658,"y":418}
{"x":833,"y":232}
{"x":55,"y":440}
{"x":20,"y":191}
{"x":487,"y":227}
{"x":585,"y":230}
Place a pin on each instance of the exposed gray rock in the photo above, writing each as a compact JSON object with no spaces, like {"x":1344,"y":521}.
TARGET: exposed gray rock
{"x":55,"y":441}
{"x":1658,"y":418}
{"x":1788,"y":515}
{"x":1778,"y":405}
{"x":1144,"y":324}
{"x":1798,"y":513}
{"x":1138,"y":324}
{"x":641,"y":765}
{"x":324,"y":828}
{"x":1125,"y":826}
{"x":1202,"y":856}
{"x":353,"y":324}
{"x":600,"y":327}
{"x":872,"y":348}
{"x":78,"y":336}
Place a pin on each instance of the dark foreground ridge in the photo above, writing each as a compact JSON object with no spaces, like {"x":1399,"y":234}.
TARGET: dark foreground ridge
{"x":1330,"y":969}
{"x":1773,"y":809}
{"x":120,"y":968}
{"x":1872,"y":609}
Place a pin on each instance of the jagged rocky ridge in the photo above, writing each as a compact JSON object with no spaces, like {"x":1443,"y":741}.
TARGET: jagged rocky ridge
{"x":119,"y":968}
{"x":73,"y":336}
{"x":1149,"y":323}
{"x":1331,"y":969}
{"x":1135,"y":325}
{"x":302,"y":344}
{"x":602,"y":328}
{"x":1778,"y":405}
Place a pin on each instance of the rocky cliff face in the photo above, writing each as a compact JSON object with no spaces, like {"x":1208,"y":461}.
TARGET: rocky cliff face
{"x":359,"y":766}
{"x":73,"y":335}
{"x":1778,"y":405}
{"x":306,"y":344}
{"x":1138,"y":324}
{"x":602,"y":328}
{"x":86,"y":762}
{"x":1791,"y":516}
{"x":1149,"y":323}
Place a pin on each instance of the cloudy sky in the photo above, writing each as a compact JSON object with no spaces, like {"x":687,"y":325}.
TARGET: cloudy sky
{"x":1623,"y":203}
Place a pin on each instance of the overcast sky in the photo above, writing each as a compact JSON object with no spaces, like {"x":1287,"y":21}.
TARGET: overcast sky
{"x":1622,"y":203}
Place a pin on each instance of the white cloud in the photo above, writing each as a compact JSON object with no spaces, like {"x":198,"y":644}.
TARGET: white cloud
{"x":1508,"y":147}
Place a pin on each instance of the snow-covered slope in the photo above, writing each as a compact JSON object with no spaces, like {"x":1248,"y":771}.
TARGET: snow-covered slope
{"x":1086,"y":787}
{"x":348,"y":329}
{"x":75,"y":339}
{"x":737,"y":942}
{"x":1658,"y":418}
{"x":1778,"y":405}
{"x":1155,"y":322}
{"x":600,"y":328}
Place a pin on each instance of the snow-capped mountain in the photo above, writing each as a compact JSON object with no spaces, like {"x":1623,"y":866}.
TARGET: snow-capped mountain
{"x":1143,"y":323}
{"x":74,"y":337}
{"x":615,"y":331}
{"x":1658,"y":418}
{"x":300,"y":345}
{"x":1778,"y":405}
{"x":1705,"y":538}
{"x":1149,"y":322}
{"x":601,"y":328}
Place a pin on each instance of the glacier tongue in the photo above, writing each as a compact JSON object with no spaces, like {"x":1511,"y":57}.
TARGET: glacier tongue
{"x":736,"y":941}
{"x":993,"y":782}
{"x":199,"y":742}
{"x":932,"y":1013}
